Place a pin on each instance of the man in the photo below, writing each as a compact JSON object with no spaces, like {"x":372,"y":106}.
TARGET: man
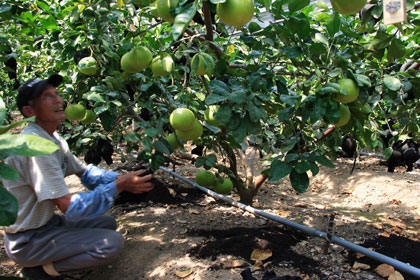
{"x":45,"y":243}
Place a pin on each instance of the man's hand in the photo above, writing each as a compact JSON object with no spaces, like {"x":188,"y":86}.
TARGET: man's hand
{"x":134,"y":182}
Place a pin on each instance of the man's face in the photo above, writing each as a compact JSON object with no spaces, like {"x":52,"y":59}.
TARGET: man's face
{"x":48,"y":107}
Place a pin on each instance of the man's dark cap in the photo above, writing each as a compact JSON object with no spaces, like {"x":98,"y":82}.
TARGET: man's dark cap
{"x":34,"y":87}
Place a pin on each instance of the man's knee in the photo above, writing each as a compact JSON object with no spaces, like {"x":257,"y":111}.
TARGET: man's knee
{"x":114,"y":244}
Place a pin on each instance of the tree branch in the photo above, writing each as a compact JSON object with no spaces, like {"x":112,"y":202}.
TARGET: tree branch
{"x":208,"y":21}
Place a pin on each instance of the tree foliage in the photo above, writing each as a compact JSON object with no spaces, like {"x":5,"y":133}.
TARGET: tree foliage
{"x":273,"y":78}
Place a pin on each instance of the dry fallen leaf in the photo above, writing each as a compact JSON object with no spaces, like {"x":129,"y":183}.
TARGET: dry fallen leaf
{"x":384,"y":270}
{"x":261,"y":255}
{"x":235,"y":264}
{"x":395,"y":276}
{"x":172,"y":192}
{"x":258,"y":265}
{"x":358,"y":265}
{"x":359,"y":255}
{"x":193,"y":211}
{"x":183,"y":273}
{"x":385,"y":234}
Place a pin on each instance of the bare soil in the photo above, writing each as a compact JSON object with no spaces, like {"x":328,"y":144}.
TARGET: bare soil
{"x":177,"y":228}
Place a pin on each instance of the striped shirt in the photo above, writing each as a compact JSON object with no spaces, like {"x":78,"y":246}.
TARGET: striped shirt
{"x":41,"y":179}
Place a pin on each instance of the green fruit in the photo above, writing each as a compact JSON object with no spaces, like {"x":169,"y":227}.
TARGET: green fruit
{"x":348,"y":6}
{"x":182,"y":119}
{"x":75,"y":112}
{"x":202,"y":64}
{"x":209,"y":115}
{"x":90,"y":117}
{"x":205,"y":178}
{"x":137,"y":59}
{"x":344,"y":115}
{"x":162,"y":65}
{"x":171,"y":138}
{"x":88,"y":66}
{"x":253,"y":27}
{"x":351,"y":88}
{"x":223,"y":187}
{"x":164,"y":7}
{"x":235,"y":12}
{"x":192,"y":134}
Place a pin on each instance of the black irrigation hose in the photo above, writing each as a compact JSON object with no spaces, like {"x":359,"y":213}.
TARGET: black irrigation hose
{"x":400,"y":266}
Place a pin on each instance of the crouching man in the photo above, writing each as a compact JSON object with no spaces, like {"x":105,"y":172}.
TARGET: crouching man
{"x":82,"y":236}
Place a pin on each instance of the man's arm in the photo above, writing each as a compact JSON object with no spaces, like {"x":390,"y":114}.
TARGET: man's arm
{"x":93,"y":176}
{"x":99,"y":200}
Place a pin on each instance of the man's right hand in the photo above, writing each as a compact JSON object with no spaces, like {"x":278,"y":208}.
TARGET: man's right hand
{"x":134,"y":182}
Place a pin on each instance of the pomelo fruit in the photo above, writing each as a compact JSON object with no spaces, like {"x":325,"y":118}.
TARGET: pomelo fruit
{"x":136,"y":60}
{"x":192,"y":134}
{"x":348,"y":6}
{"x":344,"y":116}
{"x":352,"y":89}
{"x":162,"y":65}
{"x":75,"y":112}
{"x":202,"y":64}
{"x":88,"y":66}
{"x":205,"y":178}
{"x":182,"y":119}
{"x":235,"y":12}
{"x":223,"y":187}
{"x":90,"y":117}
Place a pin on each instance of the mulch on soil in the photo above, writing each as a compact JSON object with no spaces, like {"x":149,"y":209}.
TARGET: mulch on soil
{"x":241,"y":241}
{"x":394,"y":246}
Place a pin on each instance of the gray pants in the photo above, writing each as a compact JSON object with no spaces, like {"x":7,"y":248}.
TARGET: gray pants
{"x":71,"y":245}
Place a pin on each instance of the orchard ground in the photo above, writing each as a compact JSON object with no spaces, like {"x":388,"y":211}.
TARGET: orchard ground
{"x":177,"y":228}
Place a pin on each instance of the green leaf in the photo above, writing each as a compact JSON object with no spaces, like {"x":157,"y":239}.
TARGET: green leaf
{"x":107,"y":120}
{"x":291,"y":157}
{"x":8,"y":207}
{"x":324,"y":161}
{"x":160,"y":147}
{"x":314,"y":169}
{"x":147,"y":144}
{"x":302,"y":166}
{"x":300,"y":182}
{"x":387,"y":153}
{"x":2,"y":111}
{"x":256,"y":113}
{"x":6,"y":128}
{"x":288,"y":145}
{"x":183,"y":19}
{"x":285,"y":114}
{"x":215,"y":98}
{"x":279,"y":170}
{"x":291,"y":51}
{"x":26,"y":145}
{"x":392,"y":83}
{"x":238,"y":96}
{"x":7,"y":172}
{"x":290,"y":99}
{"x":217,"y":1}
{"x":239,"y":133}
{"x":93,"y":96}
{"x":219,"y":87}
{"x":334,"y":24}
{"x":152,"y":132}
{"x":397,"y":48}
{"x":296,"y":5}
{"x":224,"y":114}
